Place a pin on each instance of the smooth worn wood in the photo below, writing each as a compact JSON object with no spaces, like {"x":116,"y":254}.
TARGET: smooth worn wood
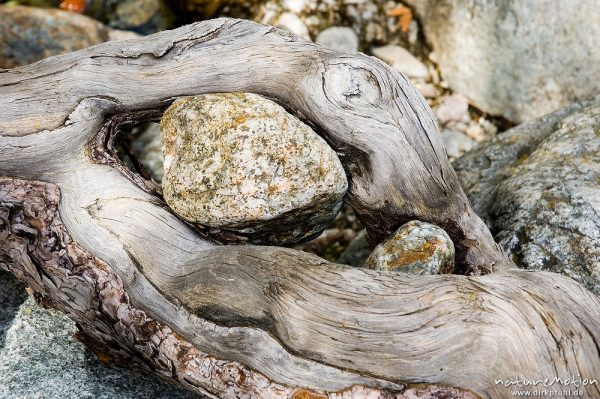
{"x":293,"y":320}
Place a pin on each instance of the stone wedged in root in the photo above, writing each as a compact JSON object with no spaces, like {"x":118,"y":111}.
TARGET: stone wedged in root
{"x":415,"y":248}
{"x":241,"y":163}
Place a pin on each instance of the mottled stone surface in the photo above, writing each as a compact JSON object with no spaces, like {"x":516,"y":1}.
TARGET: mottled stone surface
{"x":538,"y":187}
{"x":415,"y":248}
{"x":30,"y":34}
{"x":40,"y":358}
{"x":240,"y":162}
{"x":520,"y":58}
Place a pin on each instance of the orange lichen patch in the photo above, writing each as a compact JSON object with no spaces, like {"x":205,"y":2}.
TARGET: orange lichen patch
{"x":305,"y":394}
{"x":409,"y":257}
{"x":73,"y":5}
{"x":404,"y":15}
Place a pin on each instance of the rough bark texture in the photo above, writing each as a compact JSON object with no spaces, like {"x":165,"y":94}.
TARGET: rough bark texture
{"x":246,"y":321}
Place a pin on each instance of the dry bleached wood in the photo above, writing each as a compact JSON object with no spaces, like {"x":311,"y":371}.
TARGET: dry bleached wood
{"x":285,"y":320}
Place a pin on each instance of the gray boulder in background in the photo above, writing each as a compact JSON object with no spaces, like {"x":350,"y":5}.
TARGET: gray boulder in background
{"x":538,"y":187}
{"x":520,"y":59}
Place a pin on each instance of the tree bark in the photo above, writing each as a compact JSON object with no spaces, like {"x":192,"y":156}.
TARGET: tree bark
{"x":98,"y":242}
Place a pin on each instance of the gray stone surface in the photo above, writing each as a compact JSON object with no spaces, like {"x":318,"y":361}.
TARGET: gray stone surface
{"x":241,"y":163}
{"x":339,"y":38}
{"x":537,"y":186}
{"x":521,"y":58}
{"x":415,"y":248}
{"x":40,"y":359}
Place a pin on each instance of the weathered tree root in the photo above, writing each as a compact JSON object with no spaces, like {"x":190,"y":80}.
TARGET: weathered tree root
{"x":38,"y":250}
{"x":144,"y":286}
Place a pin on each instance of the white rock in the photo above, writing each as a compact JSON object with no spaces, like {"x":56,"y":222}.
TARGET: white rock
{"x":118,"y":34}
{"x":456,"y":143}
{"x":241,"y":163}
{"x":476,"y":132}
{"x":295,"y":6}
{"x":453,"y":108}
{"x":402,"y":60}
{"x":427,"y":90}
{"x":339,"y":38}
{"x":292,"y":23}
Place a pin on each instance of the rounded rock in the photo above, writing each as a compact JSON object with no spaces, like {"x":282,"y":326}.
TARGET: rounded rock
{"x":402,"y":60}
{"x":292,"y":23}
{"x":240,"y":163}
{"x":415,"y":248}
{"x":29,"y":34}
{"x":339,"y":38}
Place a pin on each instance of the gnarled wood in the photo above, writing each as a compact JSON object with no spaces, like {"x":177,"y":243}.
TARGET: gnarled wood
{"x":297,"y":320}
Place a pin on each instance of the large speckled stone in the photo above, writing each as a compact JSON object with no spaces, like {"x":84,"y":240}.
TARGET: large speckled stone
{"x":538,"y":187}
{"x":415,"y":248}
{"x":241,"y":163}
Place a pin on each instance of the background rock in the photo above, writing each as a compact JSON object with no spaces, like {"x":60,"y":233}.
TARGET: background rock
{"x":357,"y":251}
{"x":339,"y":38}
{"x":401,"y":60}
{"x":537,"y":186}
{"x":30,"y":34}
{"x":40,"y":359}
{"x":456,"y":142}
{"x":241,"y":163}
{"x":452,"y":108}
{"x":339,"y":235}
{"x":415,"y":248}
{"x":521,"y":58}
{"x":292,"y":23}
{"x":141,"y":16}
{"x":146,"y":147}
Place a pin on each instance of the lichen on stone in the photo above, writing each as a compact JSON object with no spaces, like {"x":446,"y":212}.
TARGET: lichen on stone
{"x":415,"y":248}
